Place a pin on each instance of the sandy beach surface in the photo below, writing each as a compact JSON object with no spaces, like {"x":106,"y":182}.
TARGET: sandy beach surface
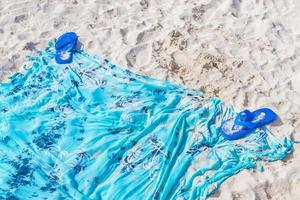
{"x":244,"y":52}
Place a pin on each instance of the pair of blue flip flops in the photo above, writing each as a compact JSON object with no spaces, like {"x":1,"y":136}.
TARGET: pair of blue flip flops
{"x":245,"y":122}
{"x":65,"y":47}
{"x":232,"y":129}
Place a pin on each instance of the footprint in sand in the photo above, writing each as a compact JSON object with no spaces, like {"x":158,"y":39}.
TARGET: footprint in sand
{"x":139,"y":56}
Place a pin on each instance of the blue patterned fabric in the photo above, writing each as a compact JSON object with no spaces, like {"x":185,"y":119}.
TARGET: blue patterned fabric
{"x":93,"y":130}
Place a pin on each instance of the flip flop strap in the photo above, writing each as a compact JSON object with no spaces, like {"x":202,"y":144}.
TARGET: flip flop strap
{"x":61,"y":43}
{"x":244,"y":119}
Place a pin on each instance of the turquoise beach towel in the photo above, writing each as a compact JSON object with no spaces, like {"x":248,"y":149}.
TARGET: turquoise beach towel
{"x":93,"y":130}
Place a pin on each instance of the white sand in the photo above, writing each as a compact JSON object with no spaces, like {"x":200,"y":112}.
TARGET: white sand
{"x":244,"y":51}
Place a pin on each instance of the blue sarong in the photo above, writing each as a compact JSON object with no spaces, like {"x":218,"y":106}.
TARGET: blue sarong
{"x":93,"y":130}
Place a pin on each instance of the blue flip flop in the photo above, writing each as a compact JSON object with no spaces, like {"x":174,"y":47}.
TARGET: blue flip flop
{"x":65,"y":46}
{"x":245,"y":122}
{"x":255,"y":119}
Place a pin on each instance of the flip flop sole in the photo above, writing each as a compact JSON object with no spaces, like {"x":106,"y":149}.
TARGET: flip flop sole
{"x":230,"y":131}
